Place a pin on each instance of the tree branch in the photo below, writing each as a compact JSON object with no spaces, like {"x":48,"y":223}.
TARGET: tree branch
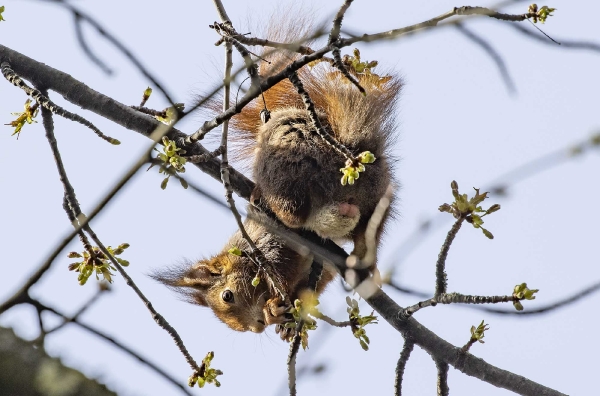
{"x":401,"y":365}
{"x":487,"y":47}
{"x":441,"y":282}
{"x":433,"y":22}
{"x":114,"y":342}
{"x":78,"y":14}
{"x":574,"y":44}
{"x":446,"y":352}
{"x":442,"y":378}
{"x":83,"y":96}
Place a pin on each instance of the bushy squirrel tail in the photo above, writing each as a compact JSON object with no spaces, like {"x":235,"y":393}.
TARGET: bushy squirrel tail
{"x":353,"y":117}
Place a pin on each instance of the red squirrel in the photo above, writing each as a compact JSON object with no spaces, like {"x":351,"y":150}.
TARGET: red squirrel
{"x":297,"y":177}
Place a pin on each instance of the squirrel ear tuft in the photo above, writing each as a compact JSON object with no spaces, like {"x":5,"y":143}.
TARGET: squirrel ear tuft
{"x":202,"y":274}
{"x":198,"y":275}
{"x":191,"y":280}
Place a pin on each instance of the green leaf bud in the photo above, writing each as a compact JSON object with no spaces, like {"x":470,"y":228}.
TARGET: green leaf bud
{"x":366,"y":157}
{"x":364,"y":345}
{"x":487,"y":233}
{"x":492,"y":209}
{"x":123,"y":262}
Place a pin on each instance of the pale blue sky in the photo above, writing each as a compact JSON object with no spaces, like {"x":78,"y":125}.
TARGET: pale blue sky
{"x":457,"y":121}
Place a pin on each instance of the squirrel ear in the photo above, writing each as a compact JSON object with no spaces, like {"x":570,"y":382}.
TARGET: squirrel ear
{"x":202,"y":274}
{"x":191,"y":280}
{"x":199,"y":275}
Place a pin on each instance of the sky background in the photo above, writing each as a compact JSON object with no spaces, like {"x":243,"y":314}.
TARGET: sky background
{"x":456,"y":121}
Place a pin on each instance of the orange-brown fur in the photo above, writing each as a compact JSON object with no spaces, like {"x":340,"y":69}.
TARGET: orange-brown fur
{"x":297,"y":177}
{"x":252,"y":308}
{"x":297,"y":174}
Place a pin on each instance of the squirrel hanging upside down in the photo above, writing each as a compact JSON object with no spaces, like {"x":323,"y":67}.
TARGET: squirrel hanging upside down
{"x":297,"y":175}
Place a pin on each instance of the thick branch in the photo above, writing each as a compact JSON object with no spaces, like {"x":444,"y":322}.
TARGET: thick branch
{"x":83,"y":96}
{"x":444,"y":351}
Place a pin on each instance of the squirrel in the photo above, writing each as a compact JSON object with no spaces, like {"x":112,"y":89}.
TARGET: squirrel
{"x":297,"y":176}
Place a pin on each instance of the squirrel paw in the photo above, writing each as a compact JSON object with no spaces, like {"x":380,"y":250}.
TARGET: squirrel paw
{"x":275,"y":311}
{"x":285,"y":333}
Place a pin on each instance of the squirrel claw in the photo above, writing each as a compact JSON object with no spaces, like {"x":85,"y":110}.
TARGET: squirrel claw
{"x":285,"y":333}
{"x":275,"y":311}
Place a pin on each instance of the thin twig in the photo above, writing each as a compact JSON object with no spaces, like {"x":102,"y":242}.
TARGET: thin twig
{"x":70,"y":204}
{"x":340,"y":43}
{"x":374,"y":225}
{"x":401,"y":365}
{"x":73,"y":318}
{"x":254,"y":93}
{"x":194,"y":159}
{"x":441,"y":281}
{"x":293,"y":47}
{"x":339,"y":64}
{"x":256,"y":255}
{"x":574,"y":44}
{"x":337,"y":22}
{"x":251,"y":66}
{"x":115,"y":343}
{"x":457,"y":298}
{"x":475,"y":301}
{"x":329,"y":320}
{"x":150,"y":112}
{"x":433,"y":22}
{"x":83,"y":96}
{"x":465,"y":348}
{"x":314,"y":117}
{"x":85,"y":47}
{"x":489,"y":49}
{"x":544,"y":33}
{"x":196,"y":188}
{"x":66,"y":206}
{"x":42,"y":337}
{"x":158,"y":318}
{"x":498,"y":186}
{"x":221,"y":11}
{"x":119,"y":45}
{"x":550,"y":307}
{"x":291,"y":361}
{"x":74,"y":206}
{"x":334,"y":35}
{"x":45,"y":103}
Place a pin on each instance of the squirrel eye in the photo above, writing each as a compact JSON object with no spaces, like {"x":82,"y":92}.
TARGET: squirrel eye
{"x":227,"y":296}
